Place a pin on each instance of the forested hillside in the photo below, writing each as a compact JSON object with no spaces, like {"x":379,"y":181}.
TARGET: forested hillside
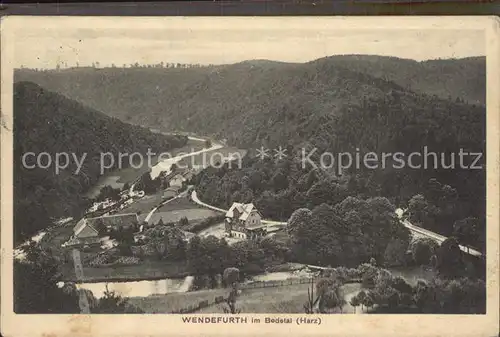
{"x":455,"y":78}
{"x":336,"y":104}
{"x":255,"y":101}
{"x":48,"y":122}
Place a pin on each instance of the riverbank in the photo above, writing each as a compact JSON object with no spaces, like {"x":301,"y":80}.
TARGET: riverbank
{"x":145,"y":271}
{"x":118,"y":178}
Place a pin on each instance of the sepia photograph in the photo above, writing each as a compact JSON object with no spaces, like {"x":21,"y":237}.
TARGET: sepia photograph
{"x":301,"y":168}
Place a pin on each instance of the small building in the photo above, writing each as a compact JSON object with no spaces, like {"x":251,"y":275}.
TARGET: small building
{"x":189,"y":174}
{"x":84,"y":233}
{"x":244,"y":221}
{"x":188,"y":235}
{"x":177,"y":180}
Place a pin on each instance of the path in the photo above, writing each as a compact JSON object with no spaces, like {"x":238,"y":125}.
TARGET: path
{"x":194,"y":197}
{"x":435,"y":236}
{"x":399,"y":212}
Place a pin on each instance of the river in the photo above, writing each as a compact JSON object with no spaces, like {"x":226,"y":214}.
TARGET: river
{"x":140,"y":288}
{"x":166,"y":164}
{"x":147,"y":288}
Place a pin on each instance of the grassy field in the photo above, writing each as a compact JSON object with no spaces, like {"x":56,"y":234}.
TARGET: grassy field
{"x":193,"y":215}
{"x":181,"y":207}
{"x":143,"y":206}
{"x":286,"y":299}
{"x":179,"y":204}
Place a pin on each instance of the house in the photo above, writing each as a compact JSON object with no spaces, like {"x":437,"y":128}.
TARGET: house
{"x":188,"y":175}
{"x":84,"y":233}
{"x":188,"y":235}
{"x":177,"y":180}
{"x":244,"y":221}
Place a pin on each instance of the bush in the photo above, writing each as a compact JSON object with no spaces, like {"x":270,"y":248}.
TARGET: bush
{"x":394,"y":254}
{"x":205,"y":223}
{"x":230,"y":276}
{"x":422,"y":250}
{"x":368,"y":273}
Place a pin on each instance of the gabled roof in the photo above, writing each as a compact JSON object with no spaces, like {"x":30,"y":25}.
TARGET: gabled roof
{"x":243,"y":209}
{"x":81,"y":225}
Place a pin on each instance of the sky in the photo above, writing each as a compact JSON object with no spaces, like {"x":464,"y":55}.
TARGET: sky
{"x":185,"y":41}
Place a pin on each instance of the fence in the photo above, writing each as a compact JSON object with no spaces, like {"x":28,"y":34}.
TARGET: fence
{"x":271,"y":284}
{"x":253,"y":285}
{"x":195,"y":307}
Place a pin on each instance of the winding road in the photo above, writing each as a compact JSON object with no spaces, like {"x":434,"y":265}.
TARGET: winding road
{"x":416,"y":230}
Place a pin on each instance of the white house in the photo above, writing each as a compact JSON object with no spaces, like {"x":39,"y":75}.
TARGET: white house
{"x":244,"y":221}
{"x":177,"y":180}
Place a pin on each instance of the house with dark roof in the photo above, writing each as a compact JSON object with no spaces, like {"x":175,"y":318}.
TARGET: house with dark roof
{"x":84,"y":233}
{"x":244,"y":221}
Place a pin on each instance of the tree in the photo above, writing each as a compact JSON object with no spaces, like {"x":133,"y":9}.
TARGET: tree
{"x":231,"y":301}
{"x":394,"y":254}
{"x":326,"y":191}
{"x":309,"y":305}
{"x":175,"y":244}
{"x":355,"y":302}
{"x":450,"y":258}
{"x":361,"y":298}
{"x":422,"y":250}
{"x":231,"y":276}
{"x":184,"y":222}
{"x":368,"y":300}
{"x":299,"y":221}
{"x":111,"y":303}
{"x":108,"y":192}
{"x":329,"y":300}
{"x":466,"y":231}
{"x":35,"y":285}
{"x":279,"y":181}
{"x":421,"y":212}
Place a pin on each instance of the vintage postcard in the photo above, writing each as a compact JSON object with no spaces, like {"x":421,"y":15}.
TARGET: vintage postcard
{"x":246,"y":176}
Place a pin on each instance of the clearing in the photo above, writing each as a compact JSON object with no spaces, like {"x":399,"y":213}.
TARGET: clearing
{"x":181,"y":207}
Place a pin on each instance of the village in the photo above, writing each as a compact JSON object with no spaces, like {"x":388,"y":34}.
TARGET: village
{"x":241,"y":222}
{"x":137,"y":240}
